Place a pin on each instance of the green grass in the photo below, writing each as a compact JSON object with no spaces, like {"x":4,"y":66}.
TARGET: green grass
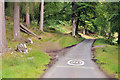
{"x":69,"y":41}
{"x":58,"y":37}
{"x":101,"y":41}
{"x":107,"y":57}
{"x":0,"y":67}
{"x":17,"y":65}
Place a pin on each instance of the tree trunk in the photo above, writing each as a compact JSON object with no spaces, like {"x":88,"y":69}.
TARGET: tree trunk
{"x":27,"y":15}
{"x":73,"y":20}
{"x":77,"y":23}
{"x":38,"y":23}
{"x":39,"y":15}
{"x":3,"y":42}
{"x":76,"y":32}
{"x":74,"y":27}
{"x":16,"y":21}
{"x":109,"y":35}
{"x":84,"y":31}
{"x":42,"y":15}
{"x":85,"y":27}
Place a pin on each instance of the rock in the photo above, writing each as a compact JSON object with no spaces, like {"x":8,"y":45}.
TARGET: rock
{"x":29,"y":41}
{"x":52,"y":59}
{"x":22,"y":48}
{"x":94,"y":60}
{"x":11,"y":53}
{"x":44,"y":69}
{"x":29,"y":48}
{"x":30,"y":57}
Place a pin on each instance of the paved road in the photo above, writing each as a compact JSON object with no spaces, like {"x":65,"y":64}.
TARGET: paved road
{"x":82,"y":51}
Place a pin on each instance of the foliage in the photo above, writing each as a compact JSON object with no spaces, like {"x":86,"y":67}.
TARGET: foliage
{"x":107,"y":18}
{"x":17,"y":65}
{"x":101,"y":18}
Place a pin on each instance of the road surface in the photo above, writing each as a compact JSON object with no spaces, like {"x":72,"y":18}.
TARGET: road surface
{"x":82,"y":51}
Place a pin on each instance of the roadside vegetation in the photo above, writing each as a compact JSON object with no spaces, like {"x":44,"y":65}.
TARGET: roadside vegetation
{"x":33,"y":64}
{"x":107,"y":57}
{"x":69,"y":41}
{"x":59,"y":25}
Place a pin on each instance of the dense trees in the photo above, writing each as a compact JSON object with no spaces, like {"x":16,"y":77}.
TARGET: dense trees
{"x":107,"y":19}
{"x":100,"y":18}
{"x":3,"y":43}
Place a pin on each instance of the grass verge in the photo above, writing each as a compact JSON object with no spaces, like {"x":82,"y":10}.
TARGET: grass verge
{"x":19,"y":65}
{"x":69,"y":41}
{"x":107,"y":57}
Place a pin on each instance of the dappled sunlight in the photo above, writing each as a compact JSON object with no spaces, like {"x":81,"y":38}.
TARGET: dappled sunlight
{"x":86,"y":36}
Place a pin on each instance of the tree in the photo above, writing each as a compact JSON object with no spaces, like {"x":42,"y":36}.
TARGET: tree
{"x":115,"y":26}
{"x":3,"y":42}
{"x":84,"y":13}
{"x":73,"y":19}
{"x":42,"y":15}
{"x":107,"y":20}
{"x":27,"y":15}
{"x":17,"y":34}
{"x":78,"y":20}
{"x":81,"y":12}
{"x":9,"y":9}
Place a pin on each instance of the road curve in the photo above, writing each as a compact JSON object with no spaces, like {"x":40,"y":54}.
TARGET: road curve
{"x":82,"y":51}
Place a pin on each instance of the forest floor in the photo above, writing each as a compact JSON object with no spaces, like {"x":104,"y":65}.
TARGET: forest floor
{"x":34,"y":63}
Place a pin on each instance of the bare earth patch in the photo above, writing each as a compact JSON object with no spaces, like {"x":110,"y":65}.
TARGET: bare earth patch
{"x":93,"y":48}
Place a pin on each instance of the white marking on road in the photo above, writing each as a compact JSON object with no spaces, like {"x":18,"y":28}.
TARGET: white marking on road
{"x":75,"y":67}
{"x":77,"y":59}
{"x":75,"y":62}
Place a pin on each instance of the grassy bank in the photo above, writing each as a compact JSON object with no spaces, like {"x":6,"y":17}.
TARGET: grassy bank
{"x":19,"y":65}
{"x":32,"y":65}
{"x":69,"y":41}
{"x":107,"y":57}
